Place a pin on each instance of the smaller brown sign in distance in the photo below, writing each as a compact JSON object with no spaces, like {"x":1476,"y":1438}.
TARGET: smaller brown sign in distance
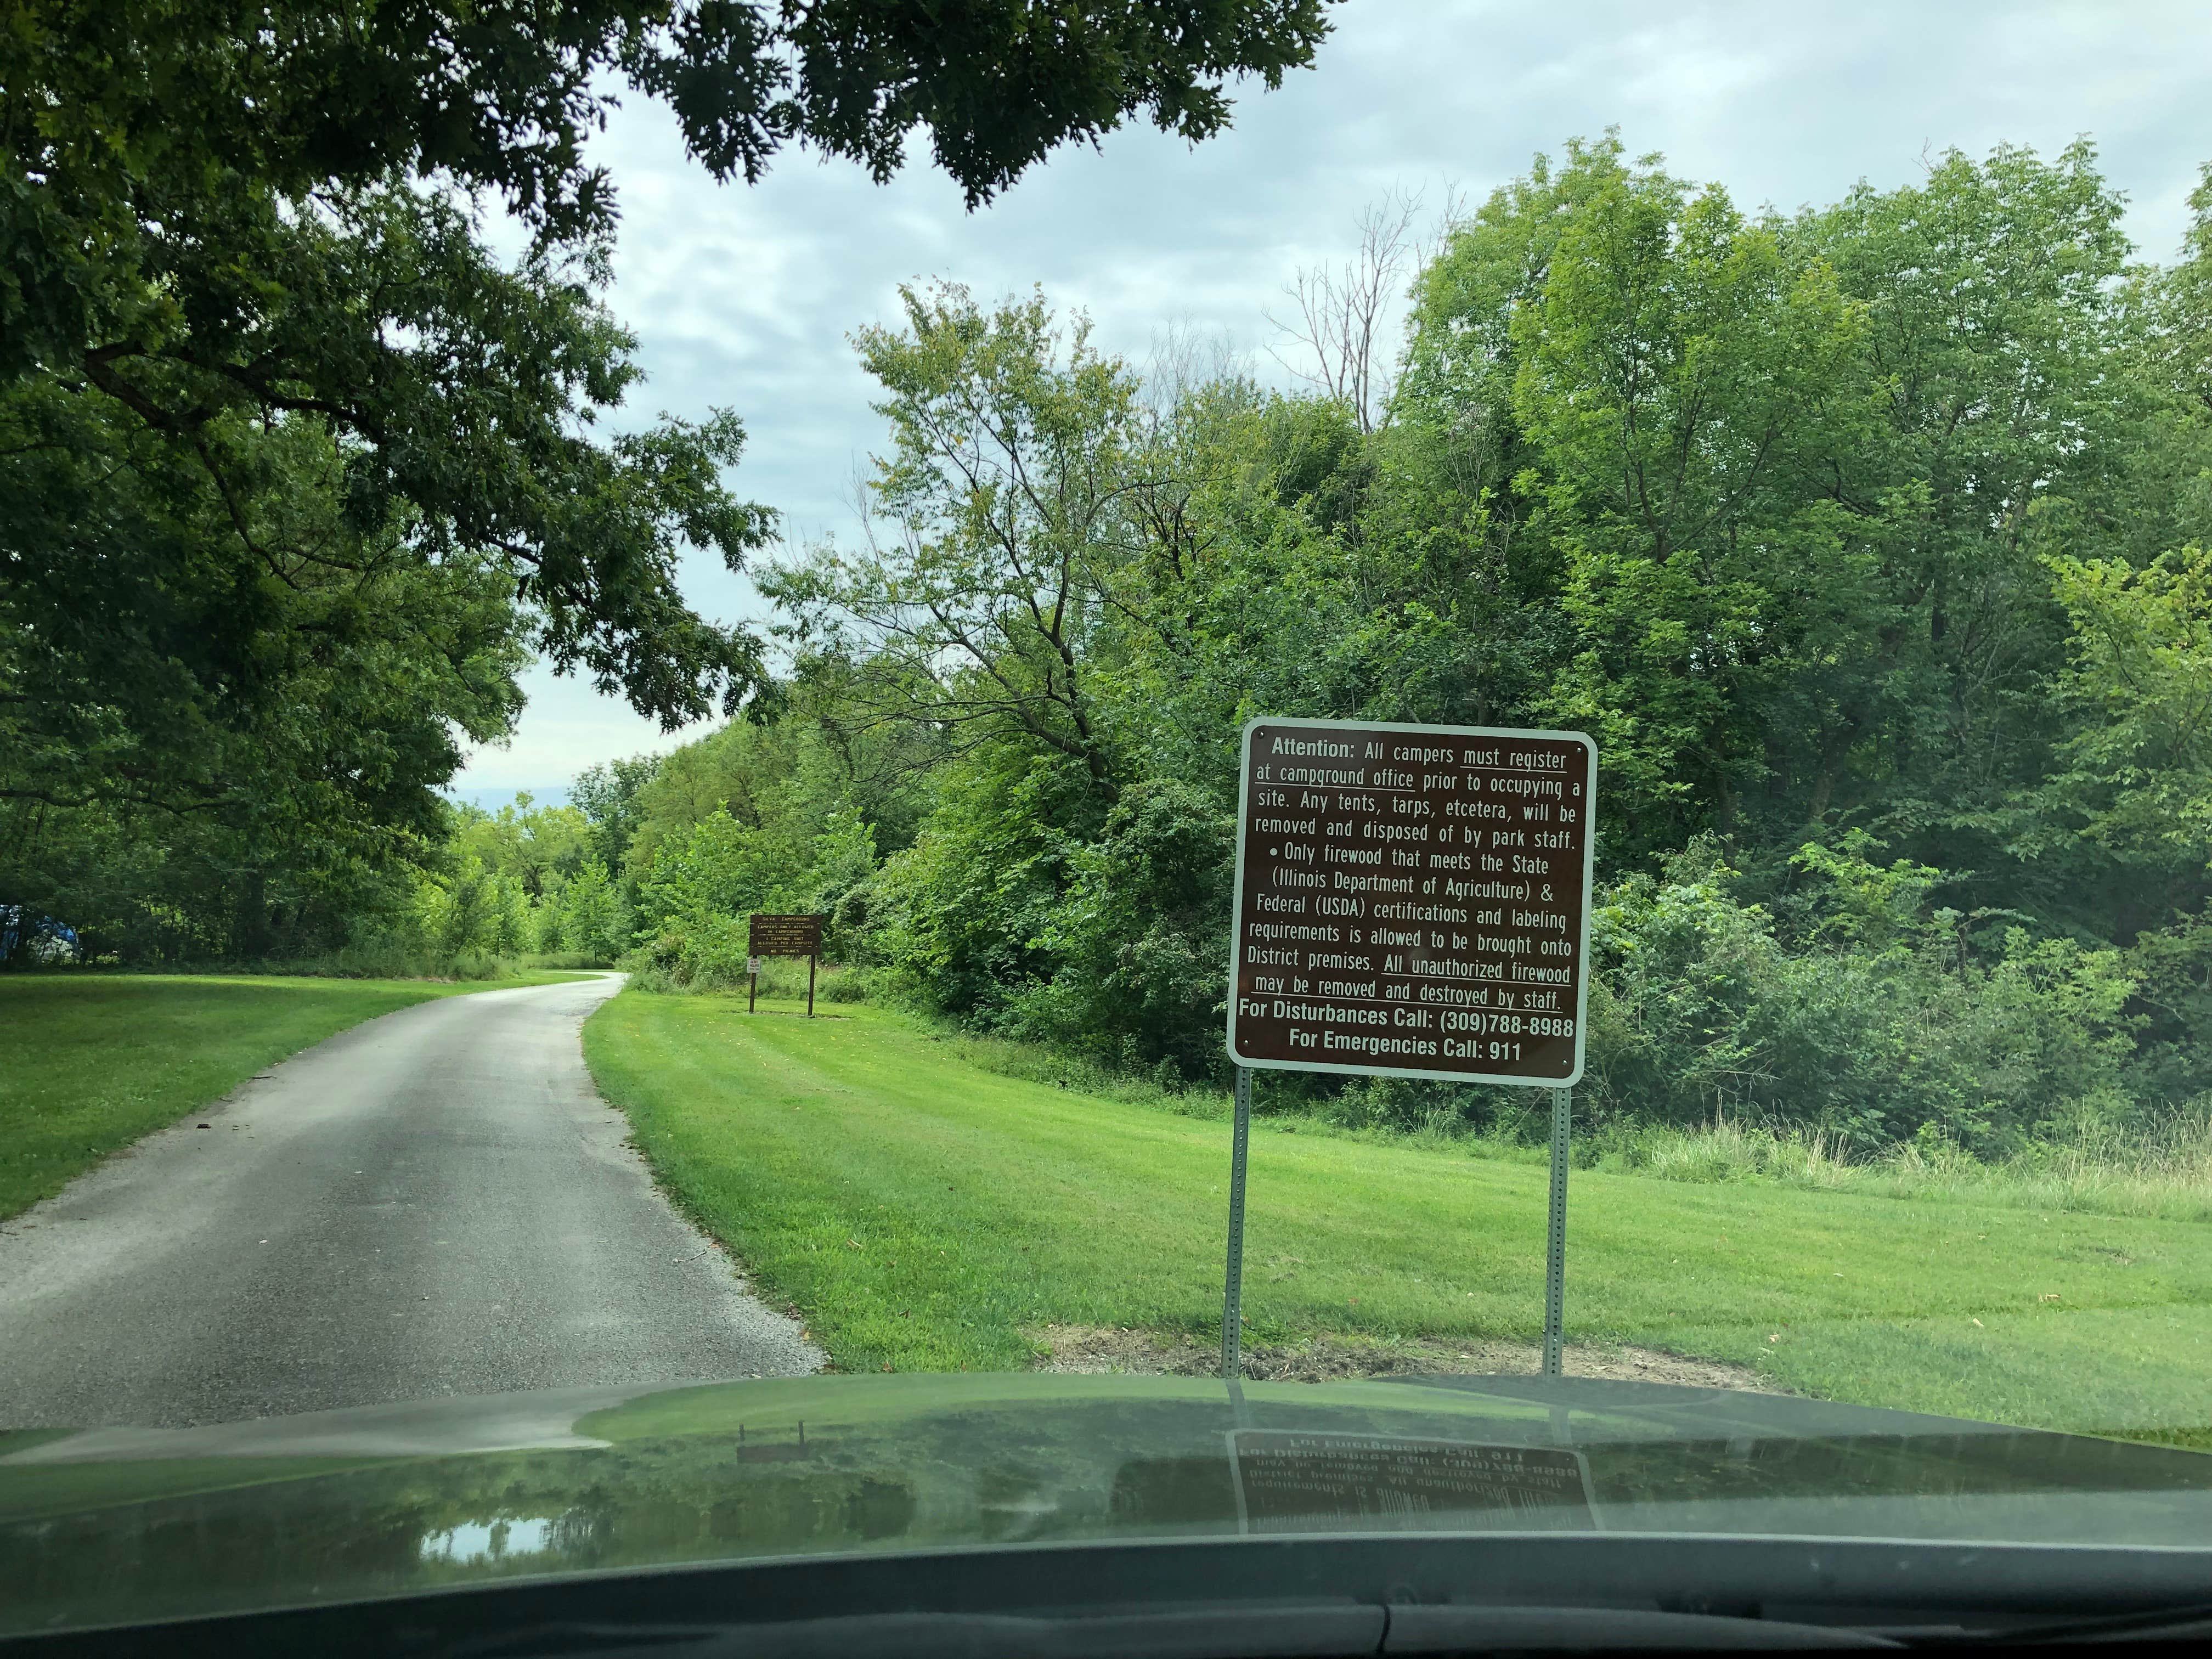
{"x":782,"y":935}
{"x":786,"y":936}
{"x":1413,"y":901}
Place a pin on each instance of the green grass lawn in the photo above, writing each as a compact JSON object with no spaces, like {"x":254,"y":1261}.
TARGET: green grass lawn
{"x":923,"y":1213}
{"x":89,"y":1062}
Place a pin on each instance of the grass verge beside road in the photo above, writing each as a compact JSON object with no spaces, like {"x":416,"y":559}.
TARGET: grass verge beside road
{"x":90,"y":1062}
{"x":925,"y":1214}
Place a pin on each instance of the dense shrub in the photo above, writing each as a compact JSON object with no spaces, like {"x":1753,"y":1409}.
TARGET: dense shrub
{"x":1139,"y":948}
{"x":1887,"y":1016}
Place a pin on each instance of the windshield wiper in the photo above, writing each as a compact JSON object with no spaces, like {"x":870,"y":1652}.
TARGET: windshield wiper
{"x":2187,"y":1624}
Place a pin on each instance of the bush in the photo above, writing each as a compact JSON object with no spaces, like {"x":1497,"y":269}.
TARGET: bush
{"x":848,"y":985}
{"x":1889,"y":1016}
{"x":558,"y":961}
{"x":700,"y":895}
{"x":384,"y":959}
{"x":2163,"y":1169}
{"x":1858,"y":1009}
{"x":956,"y":920}
{"x":1139,"y":946}
{"x":677,"y":963}
{"x":584,"y":915}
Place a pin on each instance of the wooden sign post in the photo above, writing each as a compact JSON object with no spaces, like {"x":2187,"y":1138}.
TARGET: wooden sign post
{"x":782,"y":935}
{"x":1412,"y":901}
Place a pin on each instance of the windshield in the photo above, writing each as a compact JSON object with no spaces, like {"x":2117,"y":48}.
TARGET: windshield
{"x":1399,"y":704}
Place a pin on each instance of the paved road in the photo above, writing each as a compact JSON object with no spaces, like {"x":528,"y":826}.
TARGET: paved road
{"x":436,"y":1202}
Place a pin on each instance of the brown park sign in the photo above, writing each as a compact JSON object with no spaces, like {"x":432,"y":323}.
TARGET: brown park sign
{"x":1413,"y":901}
{"x":786,"y":936}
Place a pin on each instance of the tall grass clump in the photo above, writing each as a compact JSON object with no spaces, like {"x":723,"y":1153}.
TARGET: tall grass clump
{"x":696,"y":972}
{"x":2163,"y":1172}
{"x":377,"y":958}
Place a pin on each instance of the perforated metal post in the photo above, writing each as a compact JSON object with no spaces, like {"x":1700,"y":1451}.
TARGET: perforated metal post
{"x":1232,"y":1300}
{"x":1555,"y":1252}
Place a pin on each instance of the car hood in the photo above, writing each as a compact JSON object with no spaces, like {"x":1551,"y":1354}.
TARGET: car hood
{"x":111,"y":1525}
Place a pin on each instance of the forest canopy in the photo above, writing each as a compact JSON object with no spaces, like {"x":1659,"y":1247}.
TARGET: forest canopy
{"x":296,"y":471}
{"x":1868,"y":540}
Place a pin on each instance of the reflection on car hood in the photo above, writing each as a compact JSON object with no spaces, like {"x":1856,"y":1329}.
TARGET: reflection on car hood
{"x":115,"y":1524}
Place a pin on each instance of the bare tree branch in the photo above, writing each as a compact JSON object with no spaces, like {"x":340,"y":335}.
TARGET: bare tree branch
{"x":1338,"y":331}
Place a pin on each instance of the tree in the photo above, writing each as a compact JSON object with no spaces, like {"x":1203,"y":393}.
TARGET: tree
{"x":458,"y":397}
{"x":264,"y":565}
{"x":1764,"y":501}
{"x":108,"y":104}
{"x":2134,"y":777}
{"x":589,"y":914}
{"x":1340,"y":329}
{"x":259,"y":375}
{"x":217,"y":753}
{"x":1994,"y":347}
{"x":1006,"y":488}
{"x":540,"y":847}
{"x":198,"y":199}
{"x":1648,"y":377}
{"x":608,"y":795}
{"x":1845,"y":531}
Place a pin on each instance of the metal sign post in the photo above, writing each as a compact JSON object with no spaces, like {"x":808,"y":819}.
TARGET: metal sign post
{"x":1412,"y":901}
{"x":1232,"y":1301}
{"x":1555,"y":1250}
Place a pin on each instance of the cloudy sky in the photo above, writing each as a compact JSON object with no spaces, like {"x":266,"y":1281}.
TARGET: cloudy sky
{"x":743,"y":298}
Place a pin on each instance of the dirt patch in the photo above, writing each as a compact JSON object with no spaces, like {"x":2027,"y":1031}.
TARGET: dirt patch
{"x":1093,"y":1349}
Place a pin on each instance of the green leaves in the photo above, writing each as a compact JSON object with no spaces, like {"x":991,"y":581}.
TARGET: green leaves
{"x":1140,"y":964}
{"x":1682,"y":375}
{"x":2136,"y":777}
{"x":1876,"y":1020}
{"x":293,"y":471}
{"x":141,"y":120}
{"x":252,"y":695}
{"x":999,"y":84}
{"x":270,"y":555}
{"x":1005,"y":499}
{"x":1841,"y":532}
{"x":1774,"y":492}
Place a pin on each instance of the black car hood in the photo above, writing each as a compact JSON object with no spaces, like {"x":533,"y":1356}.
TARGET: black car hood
{"x":113,"y":1525}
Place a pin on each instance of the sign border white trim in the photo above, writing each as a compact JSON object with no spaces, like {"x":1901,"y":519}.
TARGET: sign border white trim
{"x":1237,"y":913}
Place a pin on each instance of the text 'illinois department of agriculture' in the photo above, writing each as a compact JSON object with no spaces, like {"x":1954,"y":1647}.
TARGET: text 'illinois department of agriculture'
{"x":1413,"y":900}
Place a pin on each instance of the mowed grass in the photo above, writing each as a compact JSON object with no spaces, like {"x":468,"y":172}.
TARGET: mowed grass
{"x":925,"y":1214}
{"x":90,"y":1062}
